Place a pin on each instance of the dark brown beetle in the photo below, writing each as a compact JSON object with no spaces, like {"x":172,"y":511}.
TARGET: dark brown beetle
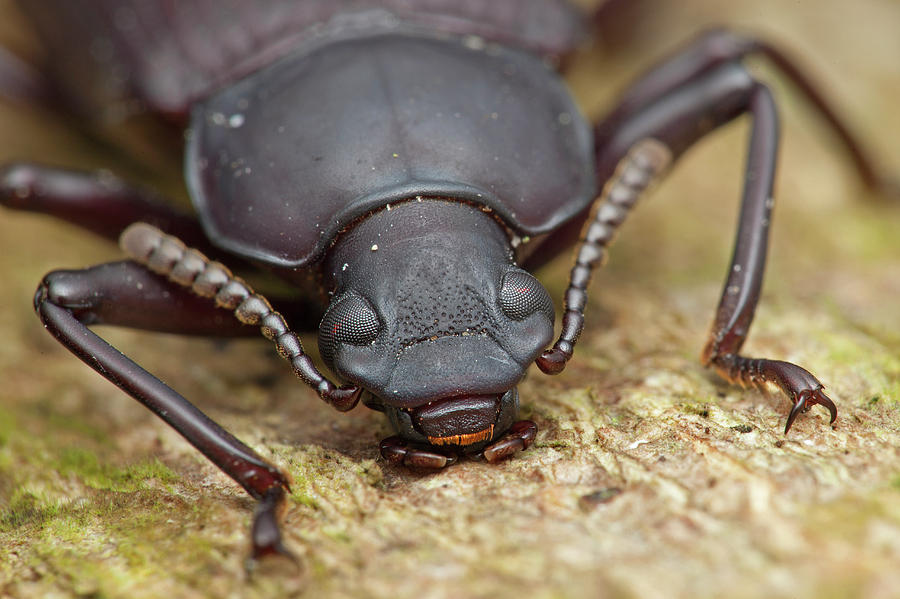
{"x":417,"y":157}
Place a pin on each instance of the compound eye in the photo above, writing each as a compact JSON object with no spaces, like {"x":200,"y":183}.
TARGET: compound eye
{"x":350,"y":320}
{"x":521,"y":295}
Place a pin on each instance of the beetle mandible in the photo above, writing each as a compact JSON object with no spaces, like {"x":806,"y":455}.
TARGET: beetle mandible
{"x":418,"y":158}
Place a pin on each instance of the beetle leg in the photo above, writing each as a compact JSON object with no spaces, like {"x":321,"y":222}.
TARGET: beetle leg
{"x":803,"y":388}
{"x":743,"y":284}
{"x":692,"y":104}
{"x":399,"y":451}
{"x":98,"y":202}
{"x":707,"y":52}
{"x":716,"y":47}
{"x":127,"y":294}
{"x":265,"y":532}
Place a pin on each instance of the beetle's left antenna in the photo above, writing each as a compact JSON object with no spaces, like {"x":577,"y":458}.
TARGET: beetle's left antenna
{"x":168,"y":256}
{"x":643,"y":164}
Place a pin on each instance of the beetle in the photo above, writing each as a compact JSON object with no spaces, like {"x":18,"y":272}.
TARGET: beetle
{"x":378,"y":148}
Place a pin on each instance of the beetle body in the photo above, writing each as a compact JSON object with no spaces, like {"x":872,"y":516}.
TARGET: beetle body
{"x":378,"y":105}
{"x":403,"y":153}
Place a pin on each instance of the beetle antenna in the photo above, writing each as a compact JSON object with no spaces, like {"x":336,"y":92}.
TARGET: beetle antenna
{"x":170,"y":257}
{"x":643,"y":164}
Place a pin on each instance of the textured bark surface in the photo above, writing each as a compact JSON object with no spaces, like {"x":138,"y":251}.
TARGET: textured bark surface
{"x":649,"y":477}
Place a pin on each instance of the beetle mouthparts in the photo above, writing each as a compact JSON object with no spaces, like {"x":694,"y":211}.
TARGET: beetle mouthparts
{"x":467,"y":439}
{"x":461,"y":420}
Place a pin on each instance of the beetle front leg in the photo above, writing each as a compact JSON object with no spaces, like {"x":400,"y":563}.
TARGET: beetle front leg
{"x":127,"y":294}
{"x":635,"y":146}
{"x":744,"y":282}
{"x":98,"y":201}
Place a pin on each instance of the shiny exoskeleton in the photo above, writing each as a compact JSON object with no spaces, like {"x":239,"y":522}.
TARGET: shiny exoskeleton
{"x":416,"y":158}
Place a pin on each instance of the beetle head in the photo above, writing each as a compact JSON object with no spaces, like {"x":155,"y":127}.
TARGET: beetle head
{"x":433,"y":319}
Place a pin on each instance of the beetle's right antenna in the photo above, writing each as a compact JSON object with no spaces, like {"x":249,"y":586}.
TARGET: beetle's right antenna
{"x":643,"y":164}
{"x":168,"y":256}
